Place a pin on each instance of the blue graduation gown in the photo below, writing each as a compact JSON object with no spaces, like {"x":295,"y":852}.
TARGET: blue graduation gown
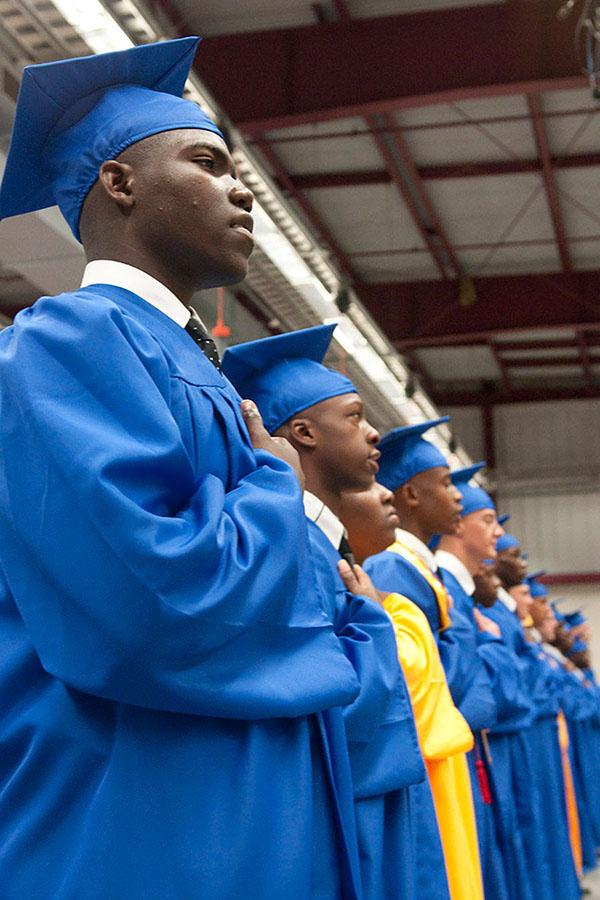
{"x":384,"y":750}
{"x":514,"y":713}
{"x":164,"y":653}
{"x":538,"y":782}
{"x":471,"y":691}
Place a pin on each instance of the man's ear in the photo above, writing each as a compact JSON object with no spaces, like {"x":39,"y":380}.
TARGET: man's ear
{"x":409,"y":494}
{"x":302,"y":432}
{"x":117,"y":180}
{"x":460,"y":529}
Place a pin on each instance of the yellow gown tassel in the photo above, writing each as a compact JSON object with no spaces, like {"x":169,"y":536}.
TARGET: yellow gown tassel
{"x":572,"y":814}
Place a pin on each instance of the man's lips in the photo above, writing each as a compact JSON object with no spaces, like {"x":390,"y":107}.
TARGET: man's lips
{"x":373,"y":461}
{"x":243,"y":224}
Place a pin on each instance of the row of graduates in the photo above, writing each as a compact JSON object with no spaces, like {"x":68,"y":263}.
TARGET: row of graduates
{"x":201,"y":696}
{"x":476,"y":776}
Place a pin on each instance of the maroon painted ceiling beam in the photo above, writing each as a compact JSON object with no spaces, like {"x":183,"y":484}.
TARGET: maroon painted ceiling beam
{"x":325,"y":71}
{"x":430,"y":309}
{"x":515,"y":395}
{"x":403,"y":174}
{"x":540,"y":361}
{"x":409,"y":128}
{"x":321,"y":230}
{"x":586,"y":360}
{"x":502,"y":365}
{"x":316,"y":180}
{"x":535,"y":109}
{"x":480,"y":339}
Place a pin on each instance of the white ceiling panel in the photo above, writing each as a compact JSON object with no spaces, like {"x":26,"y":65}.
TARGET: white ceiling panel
{"x":542,"y":353}
{"x":538,"y":334}
{"x":370,"y":217}
{"x":490,"y":143}
{"x":568,"y":135}
{"x":555,"y":372}
{"x":417,"y":266}
{"x":565,"y":101}
{"x":340,"y":154}
{"x":480,"y":210}
{"x":217,"y":17}
{"x":332,"y":126}
{"x":459,"y":363}
{"x":585,"y":255}
{"x":578,"y":195}
{"x":511,"y":260}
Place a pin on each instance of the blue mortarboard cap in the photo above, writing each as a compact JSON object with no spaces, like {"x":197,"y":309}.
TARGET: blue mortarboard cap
{"x":575,"y":618}
{"x":473,"y":496}
{"x":507,"y":542}
{"x":559,"y":616}
{"x":536,"y":587}
{"x":502,"y":520}
{"x":283,"y":374}
{"x":73,"y":114}
{"x":405,"y":453}
{"x":578,"y":646}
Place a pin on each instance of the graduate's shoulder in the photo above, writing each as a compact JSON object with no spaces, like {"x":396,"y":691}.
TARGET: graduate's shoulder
{"x":75,"y":319}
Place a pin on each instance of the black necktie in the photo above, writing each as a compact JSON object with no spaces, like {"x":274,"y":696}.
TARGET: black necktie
{"x":345,"y":551}
{"x":198,"y":332}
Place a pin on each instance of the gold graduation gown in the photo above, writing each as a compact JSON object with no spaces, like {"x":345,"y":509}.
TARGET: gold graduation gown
{"x":444,"y":737}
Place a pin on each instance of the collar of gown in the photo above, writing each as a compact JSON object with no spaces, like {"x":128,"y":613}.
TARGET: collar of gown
{"x":322,"y":516}
{"x":457,"y":568}
{"x":417,"y":546}
{"x":505,"y":598}
{"x":108,"y":271}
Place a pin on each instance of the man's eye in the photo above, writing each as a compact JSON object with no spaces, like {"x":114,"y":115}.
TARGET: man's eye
{"x":206,"y":161}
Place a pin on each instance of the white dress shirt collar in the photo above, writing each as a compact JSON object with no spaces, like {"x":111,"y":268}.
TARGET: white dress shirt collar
{"x":415,"y":544}
{"x":456,"y":567}
{"x":109,"y":271}
{"x":322,"y":516}
{"x":509,"y":602}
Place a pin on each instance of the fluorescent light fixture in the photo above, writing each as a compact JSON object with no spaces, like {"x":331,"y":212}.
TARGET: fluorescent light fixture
{"x":95,"y":25}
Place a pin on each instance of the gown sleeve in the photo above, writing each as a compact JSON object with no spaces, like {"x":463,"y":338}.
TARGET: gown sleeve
{"x":139,"y":577}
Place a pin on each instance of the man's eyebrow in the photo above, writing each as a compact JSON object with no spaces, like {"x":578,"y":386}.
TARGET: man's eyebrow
{"x":222,"y":154}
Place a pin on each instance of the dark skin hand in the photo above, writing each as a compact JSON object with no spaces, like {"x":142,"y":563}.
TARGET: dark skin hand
{"x":358,"y":582}
{"x":262,"y":440}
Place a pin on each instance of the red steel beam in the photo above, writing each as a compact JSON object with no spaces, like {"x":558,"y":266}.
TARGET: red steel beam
{"x":325,"y":71}
{"x":316,"y":180}
{"x":535,"y":362}
{"x":409,"y":311}
{"x":308,"y":209}
{"x":434,"y":126}
{"x":571,"y":578}
{"x":410,"y":169}
{"x":535,"y":108}
{"x":480,"y":339}
{"x":515,"y":395}
{"x":584,"y":354}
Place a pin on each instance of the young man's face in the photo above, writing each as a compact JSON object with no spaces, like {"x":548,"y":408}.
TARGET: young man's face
{"x":435,"y":501}
{"x":486,"y":586}
{"x":345,"y":443}
{"x":479,"y":531}
{"x":540,"y":610}
{"x":192,"y":211}
{"x":511,"y":567}
{"x":371,"y":520}
{"x":522,"y":597}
